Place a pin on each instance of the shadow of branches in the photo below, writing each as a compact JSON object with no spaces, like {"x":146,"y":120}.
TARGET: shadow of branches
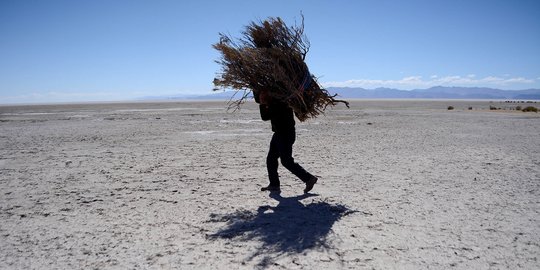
{"x":289,"y":227}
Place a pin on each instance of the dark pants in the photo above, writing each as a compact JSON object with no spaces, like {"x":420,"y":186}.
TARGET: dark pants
{"x":281,"y":147}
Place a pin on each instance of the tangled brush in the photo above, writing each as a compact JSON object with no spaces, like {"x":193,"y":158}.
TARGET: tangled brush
{"x":270,"y":57}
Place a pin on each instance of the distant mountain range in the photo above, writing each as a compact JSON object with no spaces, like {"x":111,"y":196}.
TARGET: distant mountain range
{"x":437,"y":92}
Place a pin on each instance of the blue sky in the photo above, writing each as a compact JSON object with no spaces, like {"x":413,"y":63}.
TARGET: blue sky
{"x":54,"y":51}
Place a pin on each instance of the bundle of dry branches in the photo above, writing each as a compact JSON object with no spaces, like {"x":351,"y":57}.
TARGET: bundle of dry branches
{"x":270,"y":57}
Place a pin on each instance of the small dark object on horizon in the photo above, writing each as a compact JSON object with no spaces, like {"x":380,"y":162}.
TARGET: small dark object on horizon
{"x":530,"y":109}
{"x":450,"y":108}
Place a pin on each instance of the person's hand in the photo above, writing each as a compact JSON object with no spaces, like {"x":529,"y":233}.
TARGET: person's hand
{"x":264,"y":98}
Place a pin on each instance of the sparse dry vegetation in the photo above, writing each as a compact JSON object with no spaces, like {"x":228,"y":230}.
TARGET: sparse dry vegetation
{"x":530,"y":109}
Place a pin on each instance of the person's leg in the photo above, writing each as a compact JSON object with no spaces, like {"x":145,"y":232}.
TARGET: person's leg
{"x":285,"y":146}
{"x":272,"y":162}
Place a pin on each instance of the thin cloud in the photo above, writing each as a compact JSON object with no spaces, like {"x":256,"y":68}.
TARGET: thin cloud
{"x":414,"y":82}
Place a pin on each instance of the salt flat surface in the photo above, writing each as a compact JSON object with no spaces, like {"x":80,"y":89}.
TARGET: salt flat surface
{"x":403,"y":185}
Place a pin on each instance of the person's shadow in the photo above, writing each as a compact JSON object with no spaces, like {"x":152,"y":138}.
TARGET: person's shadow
{"x":289,"y":227}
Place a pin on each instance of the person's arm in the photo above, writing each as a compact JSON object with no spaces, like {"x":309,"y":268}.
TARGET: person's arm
{"x":263,"y":107}
{"x":256,"y":96}
{"x":265,"y":112}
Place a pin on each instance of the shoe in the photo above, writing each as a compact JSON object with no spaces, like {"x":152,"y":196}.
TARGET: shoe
{"x":271,"y":188}
{"x":310,"y":183}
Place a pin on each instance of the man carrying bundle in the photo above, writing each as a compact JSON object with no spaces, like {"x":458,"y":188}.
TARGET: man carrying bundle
{"x":281,"y":117}
{"x":269,"y":61}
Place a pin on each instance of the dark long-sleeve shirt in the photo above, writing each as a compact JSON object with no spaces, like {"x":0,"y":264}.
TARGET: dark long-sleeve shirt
{"x":281,"y":117}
